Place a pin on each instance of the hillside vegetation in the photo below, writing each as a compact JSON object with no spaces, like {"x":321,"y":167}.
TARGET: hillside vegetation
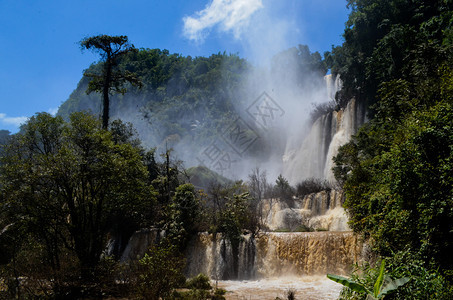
{"x":397,"y":171}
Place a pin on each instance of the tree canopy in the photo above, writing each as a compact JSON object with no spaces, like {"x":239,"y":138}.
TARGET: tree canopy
{"x":111,"y":79}
{"x":67,"y":182}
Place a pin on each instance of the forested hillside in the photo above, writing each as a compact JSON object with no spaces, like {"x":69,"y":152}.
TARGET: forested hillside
{"x":180,"y":94}
{"x":186,"y":103}
{"x":397,"y":171}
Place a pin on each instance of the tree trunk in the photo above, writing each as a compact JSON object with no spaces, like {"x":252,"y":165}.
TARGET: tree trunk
{"x":105,"y":92}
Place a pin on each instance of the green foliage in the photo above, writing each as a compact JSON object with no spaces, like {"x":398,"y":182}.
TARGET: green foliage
{"x":423,"y":281}
{"x":229,"y":202}
{"x":184,"y":96}
{"x":160,"y":272}
{"x":282,"y":189}
{"x":235,"y":218}
{"x":396,"y":171}
{"x":219,"y":294}
{"x":199,"y":282}
{"x":282,"y":230}
{"x":4,"y":136}
{"x":402,"y":265}
{"x":184,"y":212}
{"x":203,"y":177}
{"x":354,"y":286}
{"x":111,"y":79}
{"x":312,"y":185}
{"x":389,"y":40}
{"x":401,"y":197}
{"x":184,"y":101}
{"x":296,"y":62}
{"x":383,"y":285}
{"x":193,"y":294}
{"x":64,"y":183}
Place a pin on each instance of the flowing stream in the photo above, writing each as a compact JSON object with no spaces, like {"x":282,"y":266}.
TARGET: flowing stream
{"x":307,"y":288}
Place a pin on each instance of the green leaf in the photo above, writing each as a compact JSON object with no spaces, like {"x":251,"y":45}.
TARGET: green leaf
{"x":392,"y":285}
{"x":379,"y":280}
{"x":356,"y":287}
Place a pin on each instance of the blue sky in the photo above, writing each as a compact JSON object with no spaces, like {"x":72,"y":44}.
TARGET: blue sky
{"x":41,"y":62}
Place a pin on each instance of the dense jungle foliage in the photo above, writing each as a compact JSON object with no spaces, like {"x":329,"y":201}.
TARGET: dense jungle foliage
{"x":397,"y":171}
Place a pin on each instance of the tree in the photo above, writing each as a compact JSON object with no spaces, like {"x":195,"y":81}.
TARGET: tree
{"x":234,"y":218}
{"x":161,"y":271}
{"x":396,"y":171}
{"x":397,"y":175}
{"x":184,"y":211}
{"x":387,"y":40}
{"x":67,"y":182}
{"x":259,"y":189}
{"x":282,"y":188}
{"x":111,"y":49}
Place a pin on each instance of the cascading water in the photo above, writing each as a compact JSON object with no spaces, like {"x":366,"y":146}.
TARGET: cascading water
{"x":271,"y":263}
{"x":273,"y":255}
{"x":321,"y":210}
{"x":313,"y":159}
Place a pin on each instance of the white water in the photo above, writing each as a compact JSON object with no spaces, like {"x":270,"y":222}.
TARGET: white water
{"x":272,"y":255}
{"x":321,"y":210}
{"x":307,"y":288}
{"x":313,"y":157}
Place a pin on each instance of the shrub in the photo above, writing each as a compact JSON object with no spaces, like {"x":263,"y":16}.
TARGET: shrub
{"x":160,"y":272}
{"x":219,"y":294}
{"x":199,"y":282}
{"x":291,"y":294}
{"x":282,"y":189}
{"x":312,"y":185}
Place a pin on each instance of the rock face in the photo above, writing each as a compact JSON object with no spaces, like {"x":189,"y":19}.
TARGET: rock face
{"x":273,"y":254}
{"x":321,"y":210}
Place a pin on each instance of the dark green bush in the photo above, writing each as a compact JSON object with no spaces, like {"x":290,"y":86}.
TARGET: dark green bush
{"x":312,"y":185}
{"x":199,"y":282}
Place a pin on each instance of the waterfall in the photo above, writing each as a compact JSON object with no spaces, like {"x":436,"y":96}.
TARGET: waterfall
{"x":279,"y":254}
{"x":321,"y":210}
{"x":313,"y":158}
{"x":273,"y":255}
{"x":349,"y":120}
{"x":139,"y":243}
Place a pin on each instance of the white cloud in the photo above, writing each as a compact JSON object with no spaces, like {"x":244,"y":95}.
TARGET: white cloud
{"x":229,"y":15}
{"x":15,"y":121}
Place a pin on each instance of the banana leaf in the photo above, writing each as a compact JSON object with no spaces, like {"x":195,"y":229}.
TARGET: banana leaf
{"x":356,"y":287}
